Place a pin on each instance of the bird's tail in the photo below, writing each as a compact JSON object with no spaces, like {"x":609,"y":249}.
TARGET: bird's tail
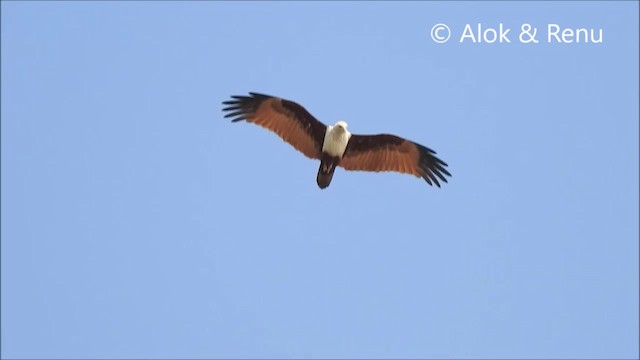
{"x":325,"y":172}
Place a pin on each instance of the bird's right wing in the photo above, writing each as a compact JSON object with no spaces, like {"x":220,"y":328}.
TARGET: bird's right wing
{"x":289,"y":120}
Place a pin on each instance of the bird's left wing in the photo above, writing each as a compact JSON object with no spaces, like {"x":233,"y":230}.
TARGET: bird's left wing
{"x":392,"y":153}
{"x":289,"y":120}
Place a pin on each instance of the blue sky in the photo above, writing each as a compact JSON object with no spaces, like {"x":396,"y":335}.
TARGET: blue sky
{"x":138,"y":222}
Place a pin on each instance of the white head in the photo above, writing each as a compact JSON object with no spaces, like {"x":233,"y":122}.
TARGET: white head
{"x":342,"y":125}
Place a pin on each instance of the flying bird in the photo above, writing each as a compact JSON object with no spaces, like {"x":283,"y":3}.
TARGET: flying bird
{"x":335,"y":145}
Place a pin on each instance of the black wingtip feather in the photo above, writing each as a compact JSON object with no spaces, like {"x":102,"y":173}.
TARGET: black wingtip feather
{"x":241,"y":107}
{"x":236,"y":113}
{"x":426,"y":178}
{"x":259,"y":95}
{"x":432,"y":168}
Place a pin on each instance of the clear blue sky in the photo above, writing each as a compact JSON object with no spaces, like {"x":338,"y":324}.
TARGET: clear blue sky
{"x":138,"y":222}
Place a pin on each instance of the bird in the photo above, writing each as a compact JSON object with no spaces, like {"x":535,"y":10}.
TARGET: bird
{"x":334,"y":145}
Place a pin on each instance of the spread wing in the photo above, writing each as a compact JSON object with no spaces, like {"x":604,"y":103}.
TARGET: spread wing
{"x":287,"y":119}
{"x":392,"y":153}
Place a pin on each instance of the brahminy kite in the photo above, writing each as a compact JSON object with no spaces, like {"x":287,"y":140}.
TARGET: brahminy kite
{"x":335,"y":145}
